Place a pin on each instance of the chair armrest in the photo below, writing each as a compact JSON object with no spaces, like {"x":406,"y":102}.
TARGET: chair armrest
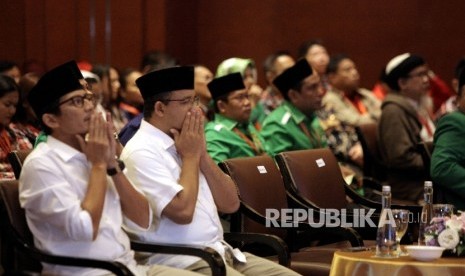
{"x":115,"y":267}
{"x":213,"y":258}
{"x":278,"y":245}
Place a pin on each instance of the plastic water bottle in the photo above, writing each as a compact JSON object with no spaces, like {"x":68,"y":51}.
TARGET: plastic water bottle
{"x":426,"y":211}
{"x":386,"y":244}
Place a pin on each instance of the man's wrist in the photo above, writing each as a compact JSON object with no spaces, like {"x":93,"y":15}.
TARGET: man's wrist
{"x":111,"y":171}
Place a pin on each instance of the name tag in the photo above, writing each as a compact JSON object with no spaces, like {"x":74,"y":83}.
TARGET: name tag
{"x":261,"y":169}
{"x":320,"y":163}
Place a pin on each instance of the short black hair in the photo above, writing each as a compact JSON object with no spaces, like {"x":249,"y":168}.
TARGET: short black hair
{"x":6,"y":65}
{"x":268,"y":64}
{"x":303,"y":49}
{"x":156,"y":59}
{"x":334,"y":62}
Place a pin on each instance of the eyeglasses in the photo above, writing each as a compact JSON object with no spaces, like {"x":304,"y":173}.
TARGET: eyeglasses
{"x":78,"y":101}
{"x":421,"y":74}
{"x":190,"y":100}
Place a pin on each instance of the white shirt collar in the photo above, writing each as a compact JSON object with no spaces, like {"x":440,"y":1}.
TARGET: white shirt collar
{"x":63,"y":150}
{"x":165,"y":140}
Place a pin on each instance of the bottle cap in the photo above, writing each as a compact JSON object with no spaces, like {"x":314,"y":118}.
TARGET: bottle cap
{"x":386,"y":188}
{"x":428,"y":184}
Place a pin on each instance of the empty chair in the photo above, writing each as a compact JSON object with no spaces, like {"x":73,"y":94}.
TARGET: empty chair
{"x":372,"y":163}
{"x":261,"y":191}
{"x":314,"y":180}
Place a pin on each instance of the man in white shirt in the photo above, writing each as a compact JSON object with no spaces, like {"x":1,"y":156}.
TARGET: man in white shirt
{"x":72,"y":187}
{"x":167,"y":159}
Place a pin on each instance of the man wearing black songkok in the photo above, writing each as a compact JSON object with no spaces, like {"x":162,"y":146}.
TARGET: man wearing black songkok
{"x":167,"y":159}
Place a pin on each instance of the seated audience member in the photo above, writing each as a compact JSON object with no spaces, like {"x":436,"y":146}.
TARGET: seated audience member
{"x":450,"y":105}
{"x":448,"y":159}
{"x":185,"y":187}
{"x":248,"y":71}
{"x":25,"y":121}
{"x":403,"y":125}
{"x":317,"y":55}
{"x":202,"y":77}
{"x":230,"y":134}
{"x":74,"y":193}
{"x":301,"y":122}
{"x":273,"y":66}
{"x":352,"y":105}
{"x":110,"y":85}
{"x":10,"y":69}
{"x":96,"y":87}
{"x":10,"y":138}
{"x":131,"y":100}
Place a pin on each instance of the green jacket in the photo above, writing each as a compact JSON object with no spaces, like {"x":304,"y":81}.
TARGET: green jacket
{"x":282,"y":131}
{"x":448,"y":159}
{"x":224,"y":142}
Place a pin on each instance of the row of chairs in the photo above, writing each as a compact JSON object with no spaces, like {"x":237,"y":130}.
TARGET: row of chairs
{"x":20,"y":257}
{"x":306,"y":179}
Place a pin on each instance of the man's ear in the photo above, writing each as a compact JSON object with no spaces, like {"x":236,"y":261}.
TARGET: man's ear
{"x":221,"y":106}
{"x":293,"y":95}
{"x":401,"y":82}
{"x":50,"y":120}
{"x":159,"y":108}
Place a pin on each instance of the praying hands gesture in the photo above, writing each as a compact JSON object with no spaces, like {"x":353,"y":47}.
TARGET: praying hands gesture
{"x":99,"y":145}
{"x":190,"y":142}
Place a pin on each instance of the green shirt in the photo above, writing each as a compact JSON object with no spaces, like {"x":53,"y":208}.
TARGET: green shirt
{"x":448,"y":158}
{"x":283,"y":130}
{"x":224,"y":140}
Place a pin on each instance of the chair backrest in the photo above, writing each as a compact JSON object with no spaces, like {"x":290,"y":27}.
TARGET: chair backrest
{"x":315,"y":176}
{"x":27,"y":258}
{"x":260,"y":186}
{"x":14,"y":220}
{"x":16,"y":159}
{"x":372,"y":161}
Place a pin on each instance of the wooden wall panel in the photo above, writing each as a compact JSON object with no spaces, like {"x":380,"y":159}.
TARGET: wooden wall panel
{"x":126,"y":33}
{"x":154,"y":25}
{"x":12,"y":30}
{"x":34,"y":30}
{"x":207,"y":31}
{"x":61,"y":37}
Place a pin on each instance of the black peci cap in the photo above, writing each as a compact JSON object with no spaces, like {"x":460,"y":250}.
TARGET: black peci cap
{"x":54,"y":84}
{"x":225,"y":85}
{"x":292,"y":76}
{"x":166,"y":80}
